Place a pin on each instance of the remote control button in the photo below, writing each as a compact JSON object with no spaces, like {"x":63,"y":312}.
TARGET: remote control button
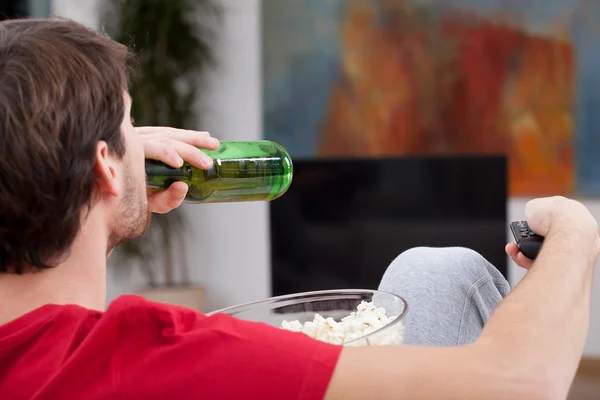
{"x":531,"y":233}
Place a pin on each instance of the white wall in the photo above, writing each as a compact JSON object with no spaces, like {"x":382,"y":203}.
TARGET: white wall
{"x":86,"y":12}
{"x":229,"y":246}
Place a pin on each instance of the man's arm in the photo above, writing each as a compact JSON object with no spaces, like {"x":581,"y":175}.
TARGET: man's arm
{"x":530,"y":347}
{"x":413,"y":372}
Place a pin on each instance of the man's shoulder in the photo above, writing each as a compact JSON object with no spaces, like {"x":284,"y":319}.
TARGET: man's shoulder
{"x":131,"y":310}
{"x":132,"y":301}
{"x":135,"y":303}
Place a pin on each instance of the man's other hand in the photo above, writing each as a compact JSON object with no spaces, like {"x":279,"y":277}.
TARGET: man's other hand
{"x":558,"y":216}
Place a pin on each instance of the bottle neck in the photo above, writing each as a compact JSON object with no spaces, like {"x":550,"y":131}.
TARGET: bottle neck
{"x":159,"y":175}
{"x":154,"y":170}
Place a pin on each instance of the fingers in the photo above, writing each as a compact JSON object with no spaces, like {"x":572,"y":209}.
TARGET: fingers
{"x":162,"y":202}
{"x":173,"y":146}
{"x":156,"y":150}
{"x":524,"y":262}
{"x":190,"y":153}
{"x":173,"y":153}
{"x":513,"y":252}
{"x":194,"y":138}
{"x":539,"y":213}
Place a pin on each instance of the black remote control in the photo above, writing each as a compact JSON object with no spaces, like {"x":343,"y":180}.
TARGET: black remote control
{"x":528,"y":241}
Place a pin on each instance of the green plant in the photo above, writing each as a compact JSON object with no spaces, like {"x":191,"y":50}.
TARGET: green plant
{"x":173,"y":41}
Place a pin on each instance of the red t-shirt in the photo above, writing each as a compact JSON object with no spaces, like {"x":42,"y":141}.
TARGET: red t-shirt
{"x":143,"y":350}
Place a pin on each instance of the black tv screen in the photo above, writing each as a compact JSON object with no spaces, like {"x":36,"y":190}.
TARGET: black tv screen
{"x":10,"y":9}
{"x":343,"y":221}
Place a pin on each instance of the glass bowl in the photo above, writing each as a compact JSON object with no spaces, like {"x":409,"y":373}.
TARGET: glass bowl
{"x":335,"y":304}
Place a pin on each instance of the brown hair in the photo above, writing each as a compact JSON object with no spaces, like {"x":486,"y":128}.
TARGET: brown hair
{"x":61,"y":92}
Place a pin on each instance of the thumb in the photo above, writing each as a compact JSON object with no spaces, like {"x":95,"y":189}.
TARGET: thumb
{"x":540,"y":212}
{"x":162,"y":202}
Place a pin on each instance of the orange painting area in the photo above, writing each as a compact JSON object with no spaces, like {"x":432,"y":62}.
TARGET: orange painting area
{"x":465,"y":86}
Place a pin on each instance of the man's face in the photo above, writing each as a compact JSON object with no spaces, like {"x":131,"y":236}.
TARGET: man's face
{"x":133,"y":217}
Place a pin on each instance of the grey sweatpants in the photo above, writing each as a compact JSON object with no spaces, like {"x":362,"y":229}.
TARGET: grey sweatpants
{"x":450,"y":292}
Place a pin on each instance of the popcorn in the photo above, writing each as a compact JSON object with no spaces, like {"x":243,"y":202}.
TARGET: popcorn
{"x":366,"y":319}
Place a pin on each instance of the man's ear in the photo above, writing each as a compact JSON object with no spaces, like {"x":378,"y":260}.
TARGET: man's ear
{"x":105,"y":169}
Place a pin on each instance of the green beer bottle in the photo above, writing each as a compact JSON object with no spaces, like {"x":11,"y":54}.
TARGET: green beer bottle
{"x":242,"y":171}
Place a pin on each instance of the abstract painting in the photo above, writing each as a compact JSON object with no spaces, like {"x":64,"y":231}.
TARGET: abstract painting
{"x":350,"y":78}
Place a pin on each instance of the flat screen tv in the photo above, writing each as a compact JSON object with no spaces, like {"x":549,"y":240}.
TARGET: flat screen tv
{"x":344,"y":220}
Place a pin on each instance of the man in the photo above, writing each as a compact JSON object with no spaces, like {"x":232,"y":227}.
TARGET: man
{"x":72,"y":187}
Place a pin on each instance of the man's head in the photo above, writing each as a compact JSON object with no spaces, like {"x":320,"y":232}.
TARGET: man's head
{"x":67,"y":145}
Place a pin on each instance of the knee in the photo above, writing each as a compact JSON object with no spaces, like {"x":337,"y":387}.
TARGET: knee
{"x":455,"y":264}
{"x":448,"y":256}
